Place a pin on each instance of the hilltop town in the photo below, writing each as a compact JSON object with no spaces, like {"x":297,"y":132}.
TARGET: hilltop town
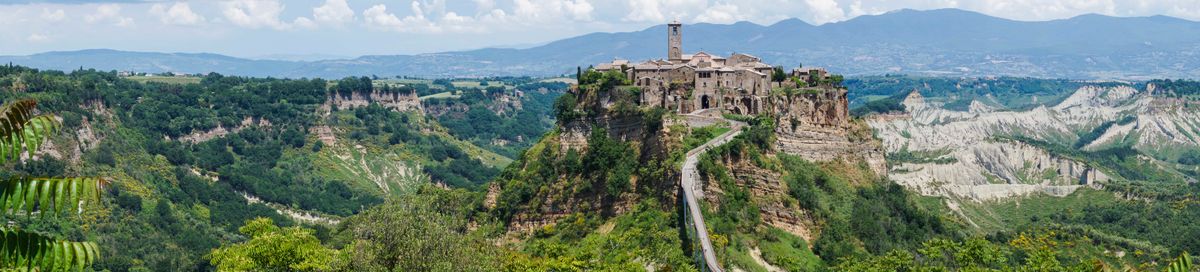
{"x":657,"y":130}
{"x":737,"y":84}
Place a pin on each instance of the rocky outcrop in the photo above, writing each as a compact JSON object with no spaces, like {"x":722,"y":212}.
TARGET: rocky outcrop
{"x":399,"y":101}
{"x":221,"y":131}
{"x":571,"y":193}
{"x":770,"y":193}
{"x":998,"y":169}
{"x":324,"y":134}
{"x":504,"y":104}
{"x":626,"y":126}
{"x":987,"y":168}
{"x":296,"y":214}
{"x":817,"y":127}
{"x":574,"y":135}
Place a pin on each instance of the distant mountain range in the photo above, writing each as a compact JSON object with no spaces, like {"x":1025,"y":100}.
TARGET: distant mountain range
{"x":947,"y":42}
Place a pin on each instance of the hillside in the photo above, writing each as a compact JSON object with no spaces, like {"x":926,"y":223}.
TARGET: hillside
{"x":1104,"y":159}
{"x":190,"y":163}
{"x":898,"y":42}
{"x":801,"y":188}
{"x":1053,"y":148}
{"x":204,"y":171}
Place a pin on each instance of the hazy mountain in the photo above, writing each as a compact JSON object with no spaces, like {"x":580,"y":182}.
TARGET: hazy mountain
{"x":942,"y":42}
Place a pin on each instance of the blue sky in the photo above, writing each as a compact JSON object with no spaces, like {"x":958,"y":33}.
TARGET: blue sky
{"x":315,"y":28}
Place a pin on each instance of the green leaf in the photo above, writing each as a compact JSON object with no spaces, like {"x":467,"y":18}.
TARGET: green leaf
{"x":21,"y":131}
{"x":60,"y":202}
{"x":48,"y":195}
{"x":1181,"y":264}
{"x":33,"y":251}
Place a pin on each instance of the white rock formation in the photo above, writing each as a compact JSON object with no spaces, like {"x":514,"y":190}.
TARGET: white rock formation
{"x":986,"y":167}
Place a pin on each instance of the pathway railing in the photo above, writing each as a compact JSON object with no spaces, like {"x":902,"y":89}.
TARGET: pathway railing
{"x":696,"y":228}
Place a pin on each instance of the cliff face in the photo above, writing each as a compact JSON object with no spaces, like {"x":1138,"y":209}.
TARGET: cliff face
{"x":392,"y":100}
{"x":818,"y":127}
{"x":503,"y":105}
{"x":220,"y":131}
{"x":634,"y":140}
{"x":611,"y":112}
{"x":574,"y":192}
{"x":974,"y":164}
{"x":996,"y":170}
{"x":770,"y":193}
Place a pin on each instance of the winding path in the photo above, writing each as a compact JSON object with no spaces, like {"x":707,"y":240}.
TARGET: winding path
{"x":690,"y":188}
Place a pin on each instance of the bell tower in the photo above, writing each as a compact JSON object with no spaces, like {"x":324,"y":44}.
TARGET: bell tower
{"x":674,"y":41}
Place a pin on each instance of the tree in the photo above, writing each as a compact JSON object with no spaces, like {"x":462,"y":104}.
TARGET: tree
{"x":778,"y":75}
{"x":23,"y":132}
{"x":272,"y":248}
{"x":385,"y":238}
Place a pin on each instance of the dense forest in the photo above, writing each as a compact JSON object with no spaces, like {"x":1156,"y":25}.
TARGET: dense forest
{"x":482,"y":117}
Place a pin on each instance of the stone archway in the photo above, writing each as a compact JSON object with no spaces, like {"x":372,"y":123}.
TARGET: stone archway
{"x":705,"y":102}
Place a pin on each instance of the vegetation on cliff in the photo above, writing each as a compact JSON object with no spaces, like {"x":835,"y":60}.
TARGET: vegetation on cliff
{"x":190,"y":163}
{"x":257,"y":170}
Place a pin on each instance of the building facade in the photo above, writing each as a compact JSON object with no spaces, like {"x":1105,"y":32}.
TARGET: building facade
{"x":689,"y":82}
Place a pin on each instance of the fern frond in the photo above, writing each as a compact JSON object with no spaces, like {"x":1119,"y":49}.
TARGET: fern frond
{"x":48,"y":195}
{"x":1181,"y":264}
{"x":31,"y":251}
{"x":21,"y":130}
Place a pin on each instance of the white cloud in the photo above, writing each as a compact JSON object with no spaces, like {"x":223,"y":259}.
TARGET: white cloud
{"x":484,"y":6}
{"x":334,"y":12}
{"x":179,"y":13}
{"x":257,"y":14}
{"x":643,"y":10}
{"x":108,"y":13}
{"x":303,"y":22}
{"x":579,"y":9}
{"x":420,"y":21}
{"x":720,"y":14}
{"x":661,"y":11}
{"x":53,"y":16}
{"x":540,"y":11}
{"x":824,"y":11}
{"x":378,"y":16}
{"x":432,"y":17}
{"x":37,"y":38}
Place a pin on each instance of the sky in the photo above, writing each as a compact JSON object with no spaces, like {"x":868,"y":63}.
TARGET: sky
{"x":308,"y":29}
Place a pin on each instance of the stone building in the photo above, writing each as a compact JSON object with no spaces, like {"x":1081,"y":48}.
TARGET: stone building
{"x":737,"y":84}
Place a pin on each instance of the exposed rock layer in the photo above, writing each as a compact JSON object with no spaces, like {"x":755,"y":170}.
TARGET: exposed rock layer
{"x":817,"y":127}
{"x":986,"y":167}
{"x":392,"y":100}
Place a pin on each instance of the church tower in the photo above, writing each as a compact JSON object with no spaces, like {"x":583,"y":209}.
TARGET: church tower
{"x":674,"y":41}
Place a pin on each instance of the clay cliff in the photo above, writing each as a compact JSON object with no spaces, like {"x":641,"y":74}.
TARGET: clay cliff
{"x":399,"y":101}
{"x":645,"y":143}
{"x":817,"y":126}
